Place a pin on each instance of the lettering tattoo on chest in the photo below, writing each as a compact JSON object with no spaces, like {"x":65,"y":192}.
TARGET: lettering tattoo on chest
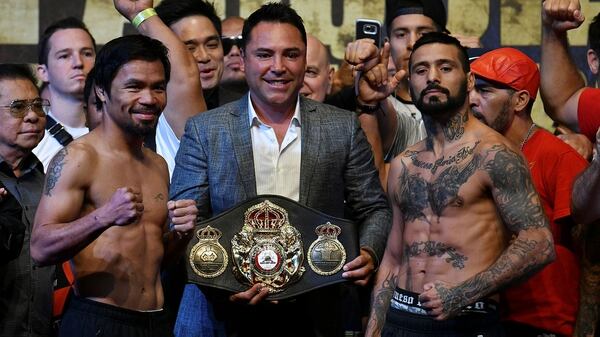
{"x":453,"y":159}
{"x":435,"y":248}
{"x":55,"y":170}
{"x":415,"y":194}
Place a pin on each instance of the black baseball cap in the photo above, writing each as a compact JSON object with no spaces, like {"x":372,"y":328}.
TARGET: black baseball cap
{"x":433,"y":9}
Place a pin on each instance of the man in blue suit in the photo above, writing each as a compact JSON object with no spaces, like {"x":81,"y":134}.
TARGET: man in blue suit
{"x":274,"y":142}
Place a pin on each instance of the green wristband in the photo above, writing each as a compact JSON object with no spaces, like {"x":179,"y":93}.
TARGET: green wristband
{"x":143,"y":16}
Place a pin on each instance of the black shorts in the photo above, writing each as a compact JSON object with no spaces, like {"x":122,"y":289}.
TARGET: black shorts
{"x":85,"y":318}
{"x":403,"y":321}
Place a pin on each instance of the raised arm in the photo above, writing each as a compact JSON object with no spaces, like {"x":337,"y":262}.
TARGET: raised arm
{"x":561,"y":84}
{"x":519,"y":206}
{"x":374,"y":86}
{"x":184,"y":90}
{"x":60,"y":228}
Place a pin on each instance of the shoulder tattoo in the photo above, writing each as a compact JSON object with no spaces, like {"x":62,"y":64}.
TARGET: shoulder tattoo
{"x":54,"y":170}
{"x":516,"y":196}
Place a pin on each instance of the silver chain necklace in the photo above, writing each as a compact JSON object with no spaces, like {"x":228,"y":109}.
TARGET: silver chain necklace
{"x":529,"y":132}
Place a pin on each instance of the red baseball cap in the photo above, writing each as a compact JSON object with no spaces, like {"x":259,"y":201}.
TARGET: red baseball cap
{"x":510,"y":67}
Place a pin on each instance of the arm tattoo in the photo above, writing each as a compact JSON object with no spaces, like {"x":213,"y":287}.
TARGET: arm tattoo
{"x":55,"y":170}
{"x":589,"y":282}
{"x":589,"y":304}
{"x":516,"y":198}
{"x":380,"y":303}
{"x":514,"y":265}
{"x":519,"y":206}
{"x":159,"y":197}
{"x":434,"y":248}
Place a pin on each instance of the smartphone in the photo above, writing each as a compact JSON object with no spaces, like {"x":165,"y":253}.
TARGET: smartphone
{"x":369,"y":29}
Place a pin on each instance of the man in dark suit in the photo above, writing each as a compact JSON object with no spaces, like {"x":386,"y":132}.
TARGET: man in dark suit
{"x":274,"y":142}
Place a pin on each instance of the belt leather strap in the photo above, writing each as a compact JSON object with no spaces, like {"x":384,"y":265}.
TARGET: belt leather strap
{"x":58,"y":131}
{"x":240,"y":242}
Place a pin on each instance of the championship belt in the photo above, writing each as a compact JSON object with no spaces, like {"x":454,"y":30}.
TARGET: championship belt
{"x":273,"y":240}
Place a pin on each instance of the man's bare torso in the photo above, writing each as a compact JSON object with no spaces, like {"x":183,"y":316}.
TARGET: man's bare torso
{"x":121,"y":267}
{"x":451,"y":229}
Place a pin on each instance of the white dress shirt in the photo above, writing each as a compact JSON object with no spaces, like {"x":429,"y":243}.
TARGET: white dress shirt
{"x":277,"y":169}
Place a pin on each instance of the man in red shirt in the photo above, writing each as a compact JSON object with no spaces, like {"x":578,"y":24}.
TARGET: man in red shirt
{"x":506,"y":86}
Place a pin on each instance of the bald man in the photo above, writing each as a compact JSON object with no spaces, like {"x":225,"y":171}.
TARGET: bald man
{"x":319,"y":72}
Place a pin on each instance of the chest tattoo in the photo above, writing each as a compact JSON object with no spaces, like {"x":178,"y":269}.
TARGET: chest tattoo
{"x":415,"y":194}
{"x":456,"y":158}
{"x":434,"y":248}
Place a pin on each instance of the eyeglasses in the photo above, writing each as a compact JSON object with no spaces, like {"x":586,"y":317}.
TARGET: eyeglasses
{"x":19,"y":108}
{"x":229,"y":41}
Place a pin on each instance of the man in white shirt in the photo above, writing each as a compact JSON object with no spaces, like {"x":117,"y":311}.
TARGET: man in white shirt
{"x":67,"y":52}
{"x":275,"y":141}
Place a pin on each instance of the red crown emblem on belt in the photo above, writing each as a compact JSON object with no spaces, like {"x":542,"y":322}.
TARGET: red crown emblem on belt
{"x":266,"y":217}
{"x":328,"y":230}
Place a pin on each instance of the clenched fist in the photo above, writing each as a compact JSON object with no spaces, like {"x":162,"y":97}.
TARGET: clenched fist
{"x":130,"y":8}
{"x":183,"y":214}
{"x":124,"y":207}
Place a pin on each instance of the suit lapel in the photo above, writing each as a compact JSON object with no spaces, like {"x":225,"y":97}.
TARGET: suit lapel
{"x":239,"y":126}
{"x":311,"y":134}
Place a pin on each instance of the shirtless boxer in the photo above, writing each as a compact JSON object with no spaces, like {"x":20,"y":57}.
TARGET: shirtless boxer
{"x":458,"y":196}
{"x":105,"y":206}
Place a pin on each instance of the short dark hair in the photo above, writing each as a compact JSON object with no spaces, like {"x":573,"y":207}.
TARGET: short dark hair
{"x":17,"y":71}
{"x":171,"y":11}
{"x":275,"y":12}
{"x":67,"y":23}
{"x":122,"y":50}
{"x":594,"y":34}
{"x":437,"y":37}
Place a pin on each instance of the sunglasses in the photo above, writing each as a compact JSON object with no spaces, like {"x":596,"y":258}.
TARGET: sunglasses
{"x":229,"y":41}
{"x":19,"y":108}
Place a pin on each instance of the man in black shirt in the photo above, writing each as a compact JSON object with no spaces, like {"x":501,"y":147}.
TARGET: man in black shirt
{"x":25,"y":290}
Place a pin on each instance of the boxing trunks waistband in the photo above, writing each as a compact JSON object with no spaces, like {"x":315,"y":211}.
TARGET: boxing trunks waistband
{"x":406,"y":314}
{"x":132,"y":317}
{"x":408,"y":301}
{"x":269,"y":239}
